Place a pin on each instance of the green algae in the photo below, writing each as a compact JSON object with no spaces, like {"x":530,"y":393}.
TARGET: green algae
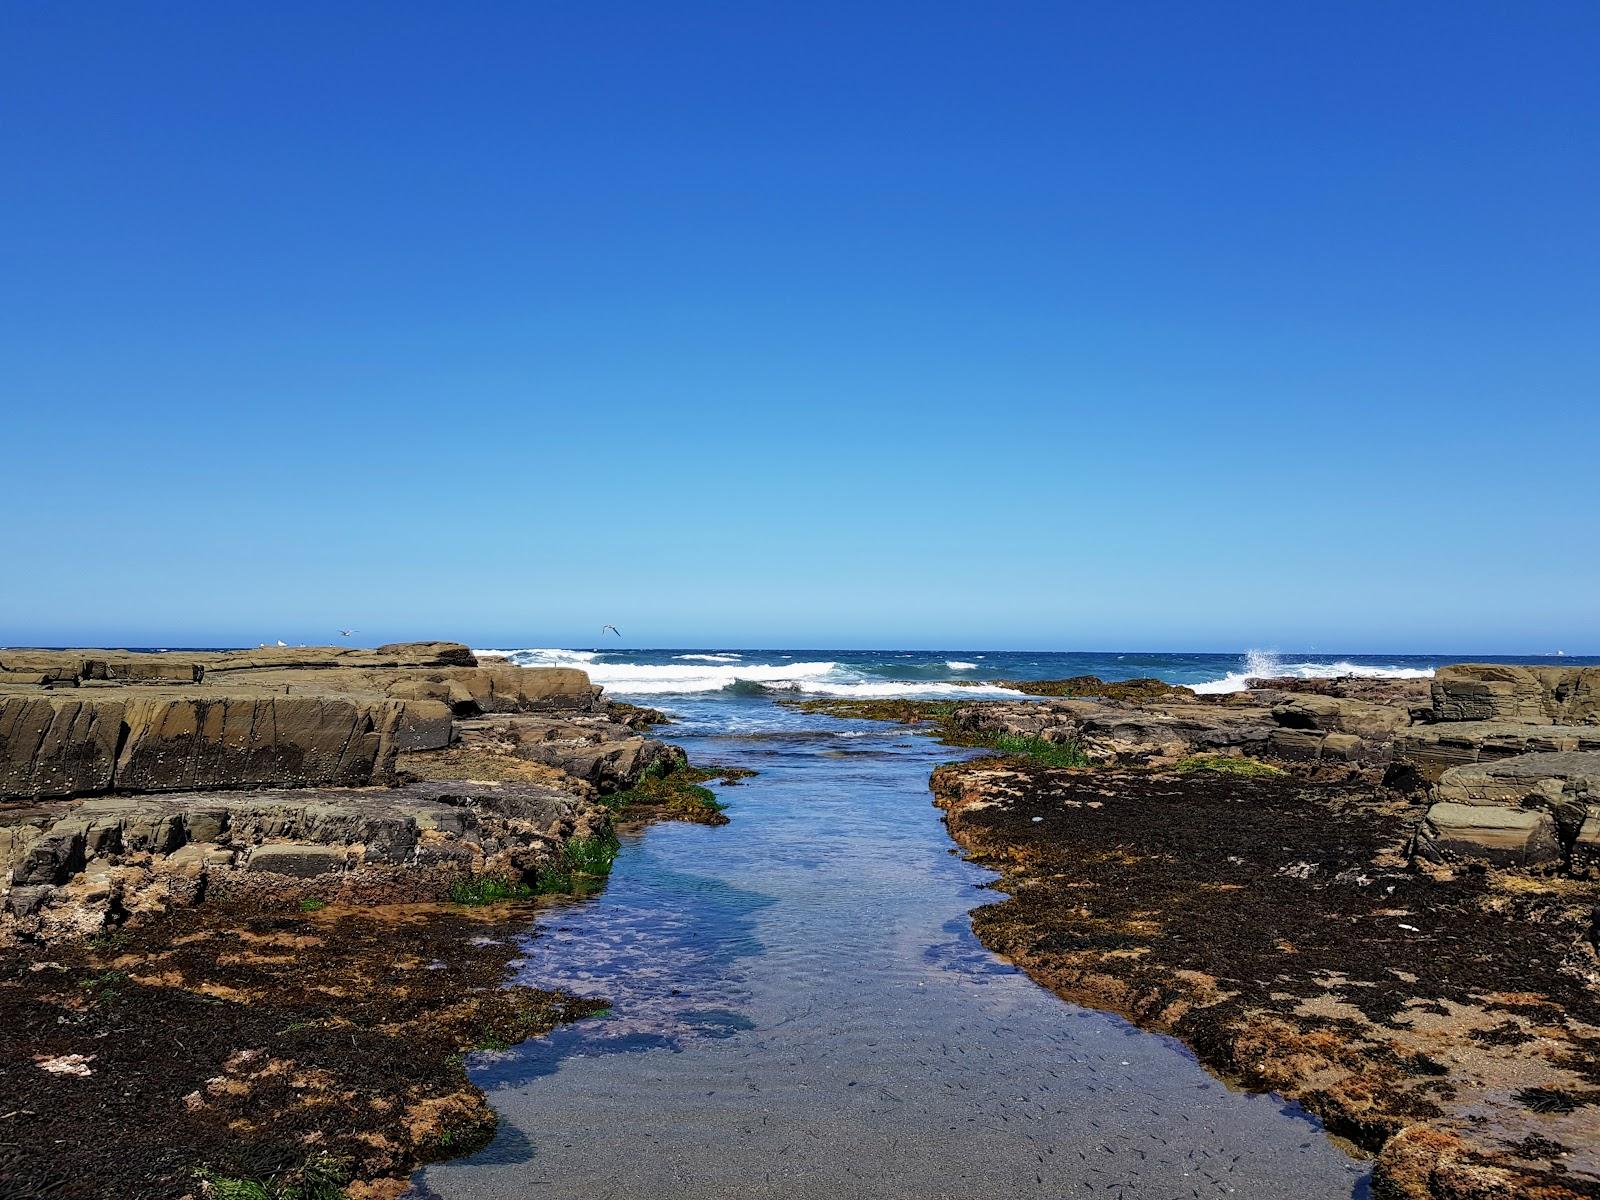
{"x":489,"y":889}
{"x":1135,"y":691}
{"x":676,"y":789}
{"x":1039,"y":750}
{"x":1227,"y":764}
{"x":323,"y":1177}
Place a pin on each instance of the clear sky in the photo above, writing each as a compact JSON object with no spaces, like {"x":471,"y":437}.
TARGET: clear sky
{"x":1062,"y":326}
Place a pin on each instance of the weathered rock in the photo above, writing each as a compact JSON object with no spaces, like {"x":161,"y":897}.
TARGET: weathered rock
{"x":53,"y":857}
{"x":298,"y":861}
{"x":1433,"y":749}
{"x":605,"y":753}
{"x":406,"y":655}
{"x":1488,"y":833}
{"x":138,"y":739}
{"x":1524,"y":695}
{"x":1296,"y":745}
{"x":1567,"y":785}
{"x":72,"y":667}
{"x":1586,"y":851}
{"x":57,"y":745}
{"x":1402,"y":694}
{"x":1332,"y":714}
{"x":499,"y":687}
{"x":104,"y":850}
{"x":1116,"y":734}
{"x":25,"y":901}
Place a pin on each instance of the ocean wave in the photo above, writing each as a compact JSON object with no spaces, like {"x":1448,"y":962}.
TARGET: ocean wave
{"x":955,"y":664}
{"x":660,"y":679}
{"x":706,"y":673}
{"x":886,"y":689}
{"x":713,"y":658}
{"x":1259,"y":664}
{"x":543,"y":657}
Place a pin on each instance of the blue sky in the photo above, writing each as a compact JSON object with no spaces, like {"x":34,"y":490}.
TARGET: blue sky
{"x":1057,"y":326}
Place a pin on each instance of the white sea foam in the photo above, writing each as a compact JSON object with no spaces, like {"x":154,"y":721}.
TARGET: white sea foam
{"x":955,"y":664}
{"x":931,"y":689}
{"x":1261,"y":664}
{"x":716,"y":658}
{"x":544,"y":657}
{"x":707,"y":673}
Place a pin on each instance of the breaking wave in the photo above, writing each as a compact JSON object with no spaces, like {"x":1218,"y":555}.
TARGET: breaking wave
{"x":690,"y":674}
{"x":955,"y":664}
{"x":1261,"y":664}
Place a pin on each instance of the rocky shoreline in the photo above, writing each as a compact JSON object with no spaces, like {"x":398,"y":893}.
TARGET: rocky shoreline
{"x":256,"y":906}
{"x":1376,"y":898}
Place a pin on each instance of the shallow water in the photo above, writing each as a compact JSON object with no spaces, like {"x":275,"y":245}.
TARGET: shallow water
{"x":799,"y":1008}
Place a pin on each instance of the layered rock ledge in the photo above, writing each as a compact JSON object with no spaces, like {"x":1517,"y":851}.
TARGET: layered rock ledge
{"x":241,"y":944}
{"x":136,"y":781}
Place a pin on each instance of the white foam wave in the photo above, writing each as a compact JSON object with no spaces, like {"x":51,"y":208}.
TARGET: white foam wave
{"x":1259,"y":664}
{"x":658,"y":679}
{"x":955,"y":664}
{"x":692,"y":673}
{"x":543,"y":657}
{"x":910,"y":690}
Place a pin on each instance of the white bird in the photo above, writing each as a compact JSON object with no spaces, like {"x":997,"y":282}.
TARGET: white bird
{"x":348,"y":632}
{"x":611,"y":628}
{"x":281,"y":642}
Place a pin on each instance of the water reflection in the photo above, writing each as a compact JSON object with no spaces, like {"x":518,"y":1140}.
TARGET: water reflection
{"x":799,"y":1008}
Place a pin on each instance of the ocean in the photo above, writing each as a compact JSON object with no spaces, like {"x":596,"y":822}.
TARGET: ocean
{"x":737,"y":675}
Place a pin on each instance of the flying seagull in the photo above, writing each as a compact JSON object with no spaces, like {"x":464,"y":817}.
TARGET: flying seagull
{"x":348,"y":632}
{"x":611,"y":628}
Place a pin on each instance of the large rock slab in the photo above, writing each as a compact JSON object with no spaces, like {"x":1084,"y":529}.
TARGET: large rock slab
{"x":1567,"y":785}
{"x":1524,"y":695}
{"x":65,"y":743}
{"x":1335,"y":714}
{"x":1508,"y":837}
{"x":52,"y":745}
{"x":72,"y":667}
{"x":1125,"y":735}
{"x":1548,"y":779}
{"x":605,"y":753}
{"x":498,"y":687}
{"x":1434,"y":749}
{"x":398,"y":655}
{"x":296,"y":861}
{"x":1530,"y":810}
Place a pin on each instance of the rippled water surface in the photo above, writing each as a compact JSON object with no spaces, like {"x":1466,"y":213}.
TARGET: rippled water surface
{"x":799,"y":1008}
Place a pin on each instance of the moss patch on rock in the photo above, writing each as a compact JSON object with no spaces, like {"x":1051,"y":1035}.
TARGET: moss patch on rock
{"x":906,"y":712}
{"x":675,"y":790}
{"x":1133,"y":691}
{"x":1227,"y":764}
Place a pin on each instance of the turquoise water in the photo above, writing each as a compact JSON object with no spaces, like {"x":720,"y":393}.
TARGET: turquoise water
{"x":799,"y":1007}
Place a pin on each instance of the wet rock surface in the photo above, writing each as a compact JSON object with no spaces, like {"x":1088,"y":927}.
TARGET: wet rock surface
{"x":1449,"y":1022}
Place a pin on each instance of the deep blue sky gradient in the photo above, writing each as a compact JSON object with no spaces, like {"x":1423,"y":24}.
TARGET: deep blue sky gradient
{"x":1185,"y":326}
